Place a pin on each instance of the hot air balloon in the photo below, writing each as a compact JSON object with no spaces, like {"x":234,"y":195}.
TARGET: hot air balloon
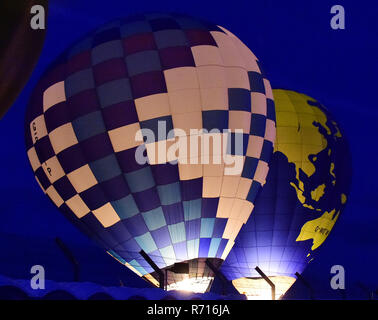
{"x":154,"y":203}
{"x":305,"y":192}
{"x":20,"y":49}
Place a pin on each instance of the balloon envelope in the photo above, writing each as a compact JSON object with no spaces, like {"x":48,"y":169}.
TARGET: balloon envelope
{"x":305,"y":192}
{"x":20,"y":49}
{"x":110,"y":104}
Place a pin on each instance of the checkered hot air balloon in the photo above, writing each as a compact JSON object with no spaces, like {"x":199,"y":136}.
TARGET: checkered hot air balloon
{"x":86,"y":125}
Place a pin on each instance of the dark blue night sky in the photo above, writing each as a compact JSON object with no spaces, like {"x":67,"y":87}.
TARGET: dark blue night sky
{"x":299,"y":51}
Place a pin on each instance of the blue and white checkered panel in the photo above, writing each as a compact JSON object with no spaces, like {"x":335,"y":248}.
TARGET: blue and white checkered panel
{"x":131,"y":74}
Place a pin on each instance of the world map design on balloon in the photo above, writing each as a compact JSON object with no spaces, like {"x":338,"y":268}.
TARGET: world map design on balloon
{"x":305,"y":192}
{"x":315,"y":180}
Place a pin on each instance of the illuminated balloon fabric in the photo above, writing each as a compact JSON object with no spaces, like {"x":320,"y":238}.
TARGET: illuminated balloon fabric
{"x":304,"y":194}
{"x":20,"y":48}
{"x":82,"y":121}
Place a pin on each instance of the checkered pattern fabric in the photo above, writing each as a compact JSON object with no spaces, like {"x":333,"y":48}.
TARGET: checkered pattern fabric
{"x":128,"y":75}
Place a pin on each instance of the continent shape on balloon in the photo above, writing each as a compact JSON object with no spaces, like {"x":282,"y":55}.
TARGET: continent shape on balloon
{"x":306,"y":190}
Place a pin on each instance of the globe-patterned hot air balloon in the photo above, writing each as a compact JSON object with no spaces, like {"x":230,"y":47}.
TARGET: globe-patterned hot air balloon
{"x":305,"y":192}
{"x":89,"y":123}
